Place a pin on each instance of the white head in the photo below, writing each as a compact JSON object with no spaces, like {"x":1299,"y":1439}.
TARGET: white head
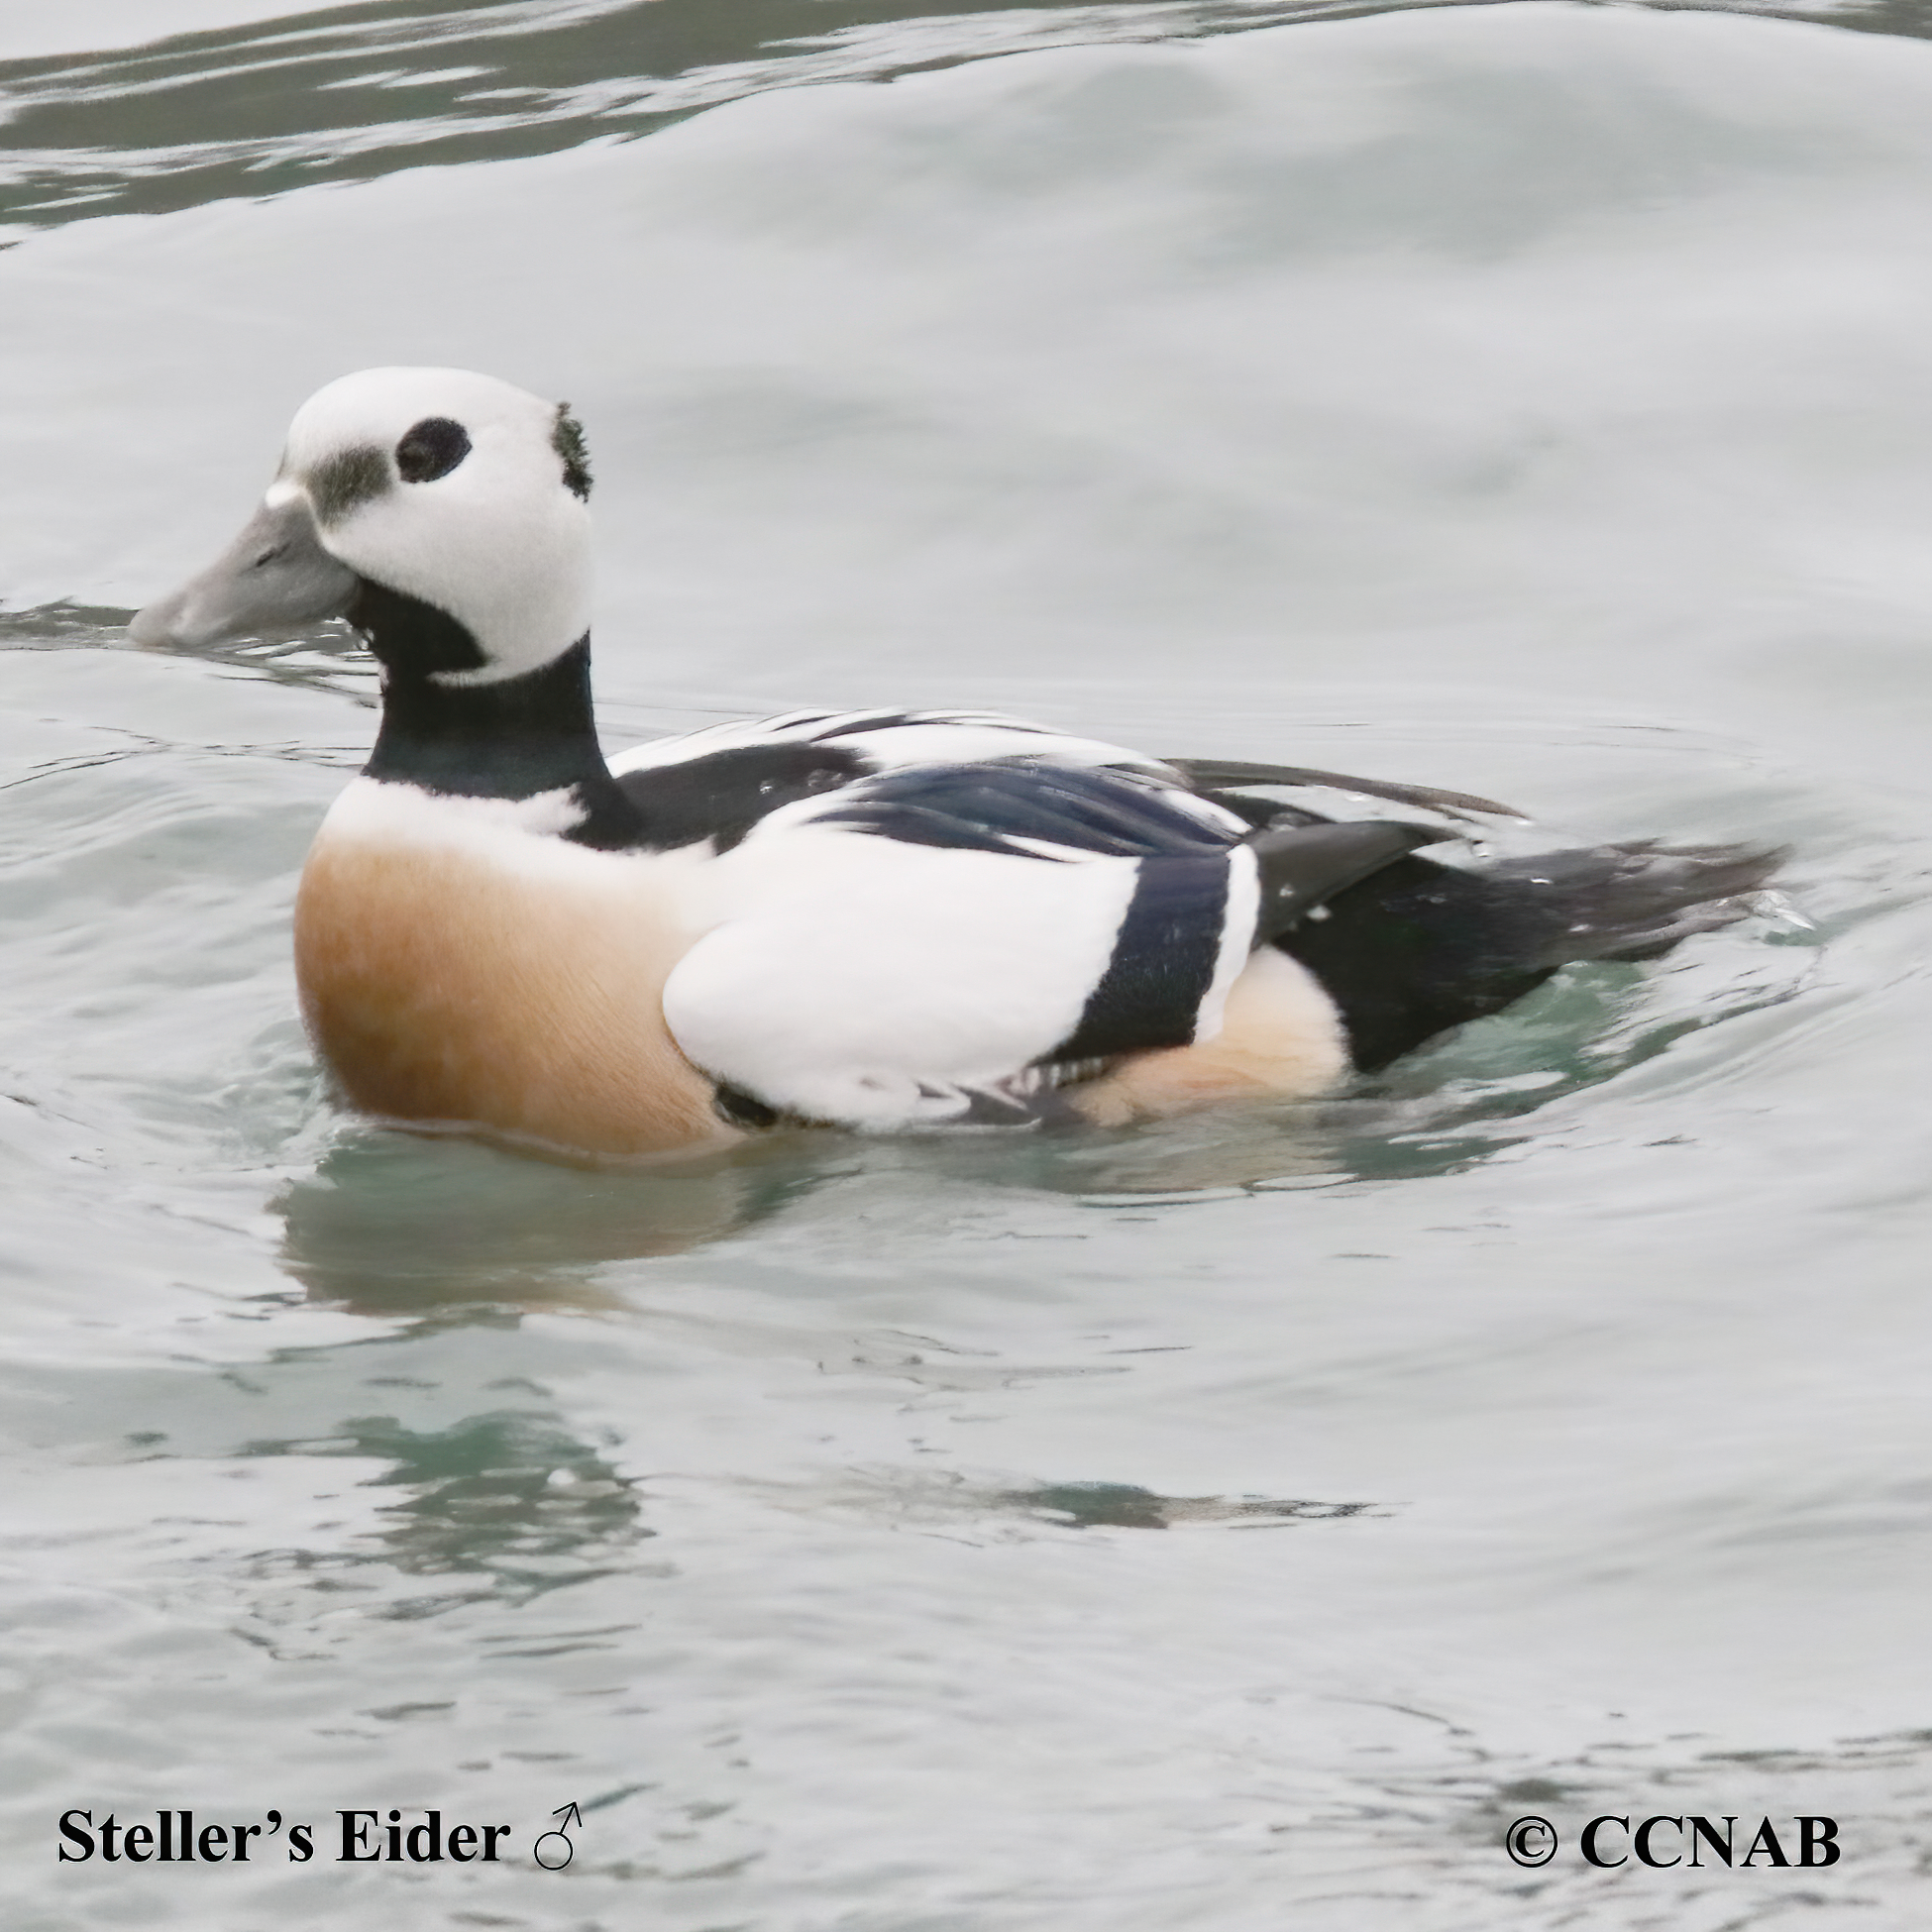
{"x":454,"y":489}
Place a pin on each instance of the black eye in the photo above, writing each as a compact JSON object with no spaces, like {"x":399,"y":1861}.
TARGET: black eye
{"x":431,"y":449}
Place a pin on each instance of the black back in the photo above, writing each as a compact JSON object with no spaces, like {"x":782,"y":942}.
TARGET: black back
{"x":723,"y":794}
{"x":1419,"y":947}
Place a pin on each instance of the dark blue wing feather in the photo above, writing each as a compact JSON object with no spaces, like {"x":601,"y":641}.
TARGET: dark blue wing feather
{"x":1007,"y":805}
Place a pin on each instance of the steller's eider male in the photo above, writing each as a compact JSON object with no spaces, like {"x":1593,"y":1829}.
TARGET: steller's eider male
{"x":877,"y":919}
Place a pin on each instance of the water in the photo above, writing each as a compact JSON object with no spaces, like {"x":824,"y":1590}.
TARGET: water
{"x":1231,"y":1525}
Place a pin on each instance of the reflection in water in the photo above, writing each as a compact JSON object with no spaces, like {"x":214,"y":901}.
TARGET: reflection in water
{"x":508,"y":1498}
{"x":393,"y":1223}
{"x":979,"y":1509}
{"x":513,"y":1501}
{"x":1126,"y":1506}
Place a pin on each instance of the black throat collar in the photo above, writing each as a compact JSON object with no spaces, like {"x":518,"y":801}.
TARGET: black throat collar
{"x":512,"y":739}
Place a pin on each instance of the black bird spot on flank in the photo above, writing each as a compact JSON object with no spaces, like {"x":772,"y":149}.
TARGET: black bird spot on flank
{"x":430,"y":449}
{"x":567,"y":439}
{"x":742,"y":1108}
{"x":345,"y":480}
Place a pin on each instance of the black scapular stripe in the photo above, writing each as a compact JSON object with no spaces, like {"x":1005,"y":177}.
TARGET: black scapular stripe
{"x":1164,"y":959}
{"x":1162,"y":965}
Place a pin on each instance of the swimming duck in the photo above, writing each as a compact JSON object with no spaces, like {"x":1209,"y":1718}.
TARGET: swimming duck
{"x":877,"y":919}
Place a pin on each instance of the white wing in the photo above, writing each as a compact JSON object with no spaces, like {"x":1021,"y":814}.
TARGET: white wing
{"x":913,"y":948}
{"x":880,"y":984}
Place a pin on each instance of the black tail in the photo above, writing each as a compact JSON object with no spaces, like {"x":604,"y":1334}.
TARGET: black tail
{"x":1418,"y":946}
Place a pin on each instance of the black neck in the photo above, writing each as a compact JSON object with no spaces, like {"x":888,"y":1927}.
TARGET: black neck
{"x":507,"y":740}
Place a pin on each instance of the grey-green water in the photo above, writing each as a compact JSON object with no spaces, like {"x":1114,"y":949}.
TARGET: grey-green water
{"x":1234,"y":1525}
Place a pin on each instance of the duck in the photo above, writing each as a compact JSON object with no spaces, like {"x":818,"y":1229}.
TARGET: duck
{"x":876,"y":920}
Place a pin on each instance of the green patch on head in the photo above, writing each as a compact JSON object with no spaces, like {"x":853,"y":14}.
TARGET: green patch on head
{"x":346,"y":480}
{"x":567,"y":439}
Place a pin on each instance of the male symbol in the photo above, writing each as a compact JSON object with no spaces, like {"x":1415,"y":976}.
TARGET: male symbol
{"x":559,"y":1854}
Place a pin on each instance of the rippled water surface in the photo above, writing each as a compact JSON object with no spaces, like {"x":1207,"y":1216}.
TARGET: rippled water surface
{"x":1233,"y":1525}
